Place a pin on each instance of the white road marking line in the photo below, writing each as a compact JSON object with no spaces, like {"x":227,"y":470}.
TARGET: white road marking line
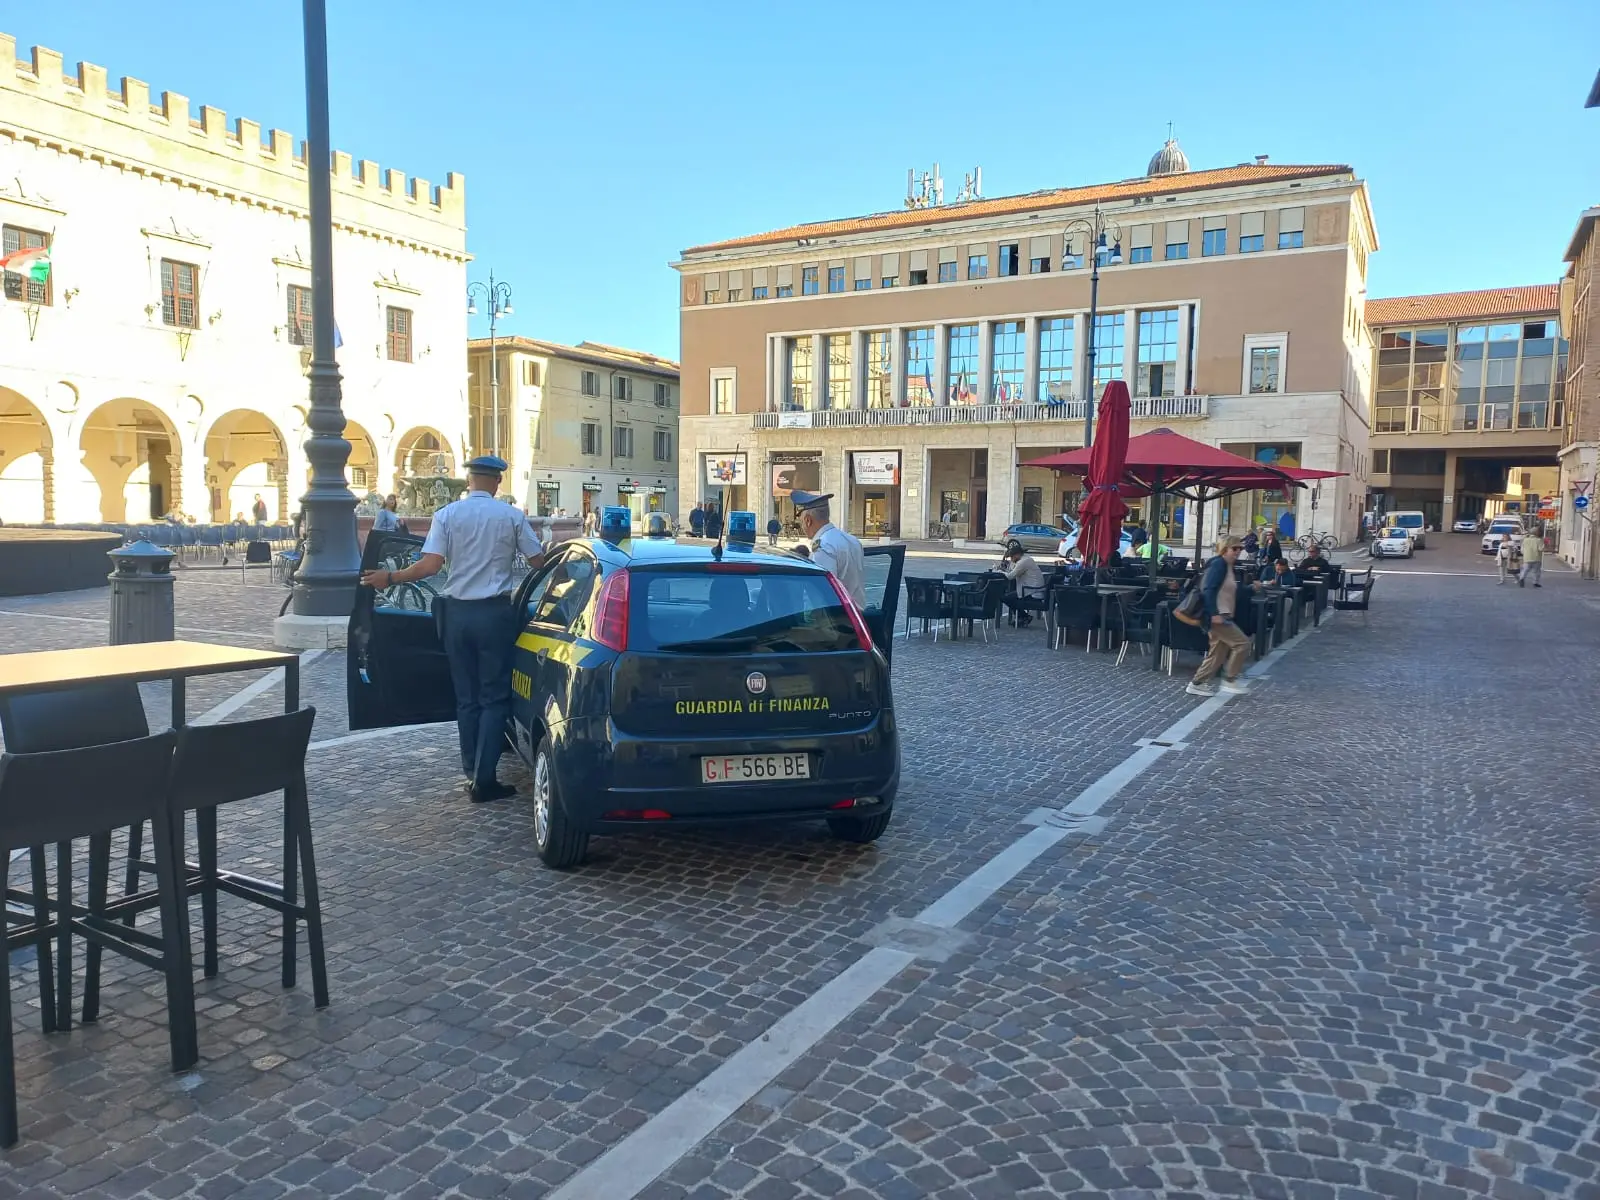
{"x":367,"y":735}
{"x":259,"y":637}
{"x":250,"y":691}
{"x":632,"y":1164}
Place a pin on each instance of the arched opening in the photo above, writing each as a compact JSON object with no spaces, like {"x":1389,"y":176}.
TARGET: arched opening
{"x":119,"y":438}
{"x":424,"y":451}
{"x":25,"y":462}
{"x":246,"y":460}
{"x":363,"y":463}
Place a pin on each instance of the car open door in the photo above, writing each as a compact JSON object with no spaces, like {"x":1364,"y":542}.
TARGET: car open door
{"x":396,"y":672}
{"x":884,"y":566}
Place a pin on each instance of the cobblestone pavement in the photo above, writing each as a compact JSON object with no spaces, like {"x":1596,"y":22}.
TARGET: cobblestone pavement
{"x":1339,"y":942}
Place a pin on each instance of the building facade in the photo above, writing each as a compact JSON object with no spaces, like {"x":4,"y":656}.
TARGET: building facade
{"x":582,"y":426}
{"x":910,"y":362}
{"x":1579,"y":542}
{"x":157,"y":364}
{"x":1469,"y":400}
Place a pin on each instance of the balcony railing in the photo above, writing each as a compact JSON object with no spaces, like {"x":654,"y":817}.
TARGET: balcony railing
{"x":1143,"y":408}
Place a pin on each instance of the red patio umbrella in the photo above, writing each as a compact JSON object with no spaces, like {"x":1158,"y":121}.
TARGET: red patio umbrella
{"x":1100,"y":515}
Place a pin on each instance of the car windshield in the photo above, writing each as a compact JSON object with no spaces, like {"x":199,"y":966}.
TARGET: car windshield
{"x":1409,"y":522}
{"x":707,"y":612}
{"x":1399,"y":534}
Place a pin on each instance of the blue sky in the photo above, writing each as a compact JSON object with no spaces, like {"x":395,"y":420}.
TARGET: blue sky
{"x":598,"y":139}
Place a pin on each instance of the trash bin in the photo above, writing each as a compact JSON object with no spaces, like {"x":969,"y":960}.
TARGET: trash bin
{"x":141,"y":594}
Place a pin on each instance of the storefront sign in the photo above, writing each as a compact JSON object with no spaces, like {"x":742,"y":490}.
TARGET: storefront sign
{"x":639,"y":489}
{"x":877,"y":466}
{"x":782,"y":480}
{"x":591,"y":487}
{"x":725,"y":470}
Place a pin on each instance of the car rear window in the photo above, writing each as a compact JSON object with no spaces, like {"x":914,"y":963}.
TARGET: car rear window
{"x":1408,"y":522}
{"x":705,"y":612}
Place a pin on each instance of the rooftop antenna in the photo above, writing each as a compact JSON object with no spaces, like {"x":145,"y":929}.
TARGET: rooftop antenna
{"x":971,"y":187}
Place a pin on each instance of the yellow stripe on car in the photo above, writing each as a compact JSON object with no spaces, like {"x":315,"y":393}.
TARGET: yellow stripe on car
{"x":572,"y":651}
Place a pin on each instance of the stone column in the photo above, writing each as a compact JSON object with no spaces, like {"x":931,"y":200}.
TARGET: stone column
{"x":1183,"y":382}
{"x":897,"y":377}
{"x":1002,"y":510}
{"x":1080,"y":356}
{"x":986,"y":366}
{"x":941,"y":365}
{"x":1030,"y":367}
{"x":858,"y":368}
{"x":194,"y":498}
{"x":1447,"y":517}
{"x":1130,"y":333}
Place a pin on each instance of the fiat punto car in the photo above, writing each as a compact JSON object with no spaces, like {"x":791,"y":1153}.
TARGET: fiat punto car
{"x":656,"y":683}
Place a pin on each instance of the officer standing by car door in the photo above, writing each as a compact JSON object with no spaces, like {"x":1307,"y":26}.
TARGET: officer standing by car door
{"x":831,"y":546}
{"x":479,"y":538}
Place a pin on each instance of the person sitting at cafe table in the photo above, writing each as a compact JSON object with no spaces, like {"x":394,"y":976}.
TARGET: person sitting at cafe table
{"x":1025,"y":581}
{"x":1314,"y":565}
{"x":1281,"y":575}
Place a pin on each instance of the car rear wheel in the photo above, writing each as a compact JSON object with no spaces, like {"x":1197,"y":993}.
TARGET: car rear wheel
{"x":860,"y":829}
{"x":558,"y":843}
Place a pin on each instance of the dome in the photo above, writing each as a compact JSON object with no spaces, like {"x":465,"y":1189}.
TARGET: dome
{"x":1169,"y":160}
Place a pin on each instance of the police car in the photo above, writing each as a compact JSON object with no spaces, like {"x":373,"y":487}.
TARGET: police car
{"x":660,"y":683}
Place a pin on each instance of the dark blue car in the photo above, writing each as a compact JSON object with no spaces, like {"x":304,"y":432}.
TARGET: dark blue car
{"x":658,"y":683}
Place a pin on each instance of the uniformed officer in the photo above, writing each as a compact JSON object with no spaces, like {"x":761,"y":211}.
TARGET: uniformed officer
{"x":831,"y":546}
{"x":480,"y":538}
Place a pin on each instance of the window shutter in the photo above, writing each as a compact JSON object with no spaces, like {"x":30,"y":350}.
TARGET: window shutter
{"x":891,"y":265}
{"x":785,"y":276}
{"x":714,"y":281}
{"x":1039,"y":247}
{"x":758,"y":277}
{"x":1252,"y":224}
{"x":919,"y":260}
{"x":978,"y":248}
{"x":1142,"y":235}
{"x":1291,"y":220}
{"x":836,"y":264}
{"x":1074,"y":243}
{"x":1214,"y":223}
{"x":735,"y":281}
{"x":947,"y":254}
{"x":1177,"y":232}
{"x":864,"y":268}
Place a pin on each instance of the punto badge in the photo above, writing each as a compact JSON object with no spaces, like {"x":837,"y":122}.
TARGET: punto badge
{"x":756,"y":682}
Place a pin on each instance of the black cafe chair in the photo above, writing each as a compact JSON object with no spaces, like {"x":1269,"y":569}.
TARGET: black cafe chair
{"x":925,"y":602}
{"x":219,"y":764}
{"x":1138,"y":617}
{"x":92,"y":791}
{"x":1074,"y":608}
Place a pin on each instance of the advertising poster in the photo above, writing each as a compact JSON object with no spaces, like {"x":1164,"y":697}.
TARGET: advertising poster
{"x":726,"y":470}
{"x":879,"y":467}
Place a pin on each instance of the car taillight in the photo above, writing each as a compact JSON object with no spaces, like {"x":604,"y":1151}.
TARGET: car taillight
{"x":862,"y":632}
{"x":611,"y":614}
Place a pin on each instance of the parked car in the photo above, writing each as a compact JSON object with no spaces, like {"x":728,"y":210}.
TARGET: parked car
{"x":1393,"y":542}
{"x":1069,"y":545}
{"x":1465,"y":525}
{"x":657,"y":683}
{"x":1036,"y":539}
{"x":1413,"y":522}
{"x":1499,"y":528}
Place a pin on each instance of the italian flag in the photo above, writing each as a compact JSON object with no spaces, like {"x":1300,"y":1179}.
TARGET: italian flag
{"x":34,"y":262}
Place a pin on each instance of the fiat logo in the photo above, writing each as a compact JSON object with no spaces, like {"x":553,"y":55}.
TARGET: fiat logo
{"x":756,"y":682}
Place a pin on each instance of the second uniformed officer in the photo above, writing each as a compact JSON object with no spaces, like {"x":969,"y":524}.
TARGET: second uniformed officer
{"x":479,"y":537}
{"x":831,"y":546}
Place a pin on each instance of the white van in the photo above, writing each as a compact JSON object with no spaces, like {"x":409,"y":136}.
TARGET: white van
{"x":1413,"y":522}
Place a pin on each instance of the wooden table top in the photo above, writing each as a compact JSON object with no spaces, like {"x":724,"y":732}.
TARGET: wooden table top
{"x":46,"y":670}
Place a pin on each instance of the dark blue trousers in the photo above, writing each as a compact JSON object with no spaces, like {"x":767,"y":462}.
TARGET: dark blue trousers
{"x":478,"y":640}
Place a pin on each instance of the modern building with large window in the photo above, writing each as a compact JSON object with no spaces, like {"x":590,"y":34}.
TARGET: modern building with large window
{"x":155,"y":347}
{"x":1469,"y":400}
{"x":910,"y":361}
{"x":582,"y":427}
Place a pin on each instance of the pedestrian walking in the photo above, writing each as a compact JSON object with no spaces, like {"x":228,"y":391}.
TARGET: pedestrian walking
{"x":1227,"y":646}
{"x":1532,"y":560}
{"x":1505,"y":556}
{"x":831,"y":546}
{"x":388,"y":517}
{"x":480,"y":540}
{"x":773,"y":530}
{"x":713,"y":521}
{"x":697,"y":520}
{"x":258,"y":510}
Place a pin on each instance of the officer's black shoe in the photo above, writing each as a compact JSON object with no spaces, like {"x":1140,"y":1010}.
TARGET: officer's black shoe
{"x":491,"y":791}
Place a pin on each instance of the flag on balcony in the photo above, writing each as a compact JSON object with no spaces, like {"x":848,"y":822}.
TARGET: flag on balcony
{"x":32,"y":261}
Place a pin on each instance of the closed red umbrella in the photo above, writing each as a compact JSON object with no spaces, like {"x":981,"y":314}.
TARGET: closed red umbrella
{"x":1103,"y":508}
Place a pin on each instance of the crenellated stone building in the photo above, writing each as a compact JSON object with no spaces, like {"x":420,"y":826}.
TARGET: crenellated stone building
{"x":160,"y":365}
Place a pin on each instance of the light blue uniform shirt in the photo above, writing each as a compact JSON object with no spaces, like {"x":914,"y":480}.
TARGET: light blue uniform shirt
{"x":479,"y":538}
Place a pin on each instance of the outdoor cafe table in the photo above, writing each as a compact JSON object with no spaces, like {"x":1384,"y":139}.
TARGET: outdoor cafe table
{"x":139,"y":662}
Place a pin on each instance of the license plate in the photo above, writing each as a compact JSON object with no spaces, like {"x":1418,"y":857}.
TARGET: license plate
{"x":754,"y":768}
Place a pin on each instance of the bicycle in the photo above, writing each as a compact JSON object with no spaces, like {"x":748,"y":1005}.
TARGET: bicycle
{"x":1326,"y":541}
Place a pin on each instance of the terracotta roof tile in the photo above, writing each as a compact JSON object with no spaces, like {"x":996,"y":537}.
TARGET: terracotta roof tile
{"x":1127,"y":189}
{"x":1465,"y":306}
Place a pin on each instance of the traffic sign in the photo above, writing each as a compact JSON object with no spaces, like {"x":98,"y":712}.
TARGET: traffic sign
{"x":1581,"y":503}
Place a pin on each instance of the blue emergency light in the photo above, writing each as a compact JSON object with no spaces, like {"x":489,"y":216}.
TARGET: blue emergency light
{"x":616,"y":522}
{"x":742,"y":527}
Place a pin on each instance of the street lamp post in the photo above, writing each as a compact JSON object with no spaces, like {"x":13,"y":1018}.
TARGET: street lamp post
{"x":325,"y":583}
{"x":1094,"y":230}
{"x":497,"y":296}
